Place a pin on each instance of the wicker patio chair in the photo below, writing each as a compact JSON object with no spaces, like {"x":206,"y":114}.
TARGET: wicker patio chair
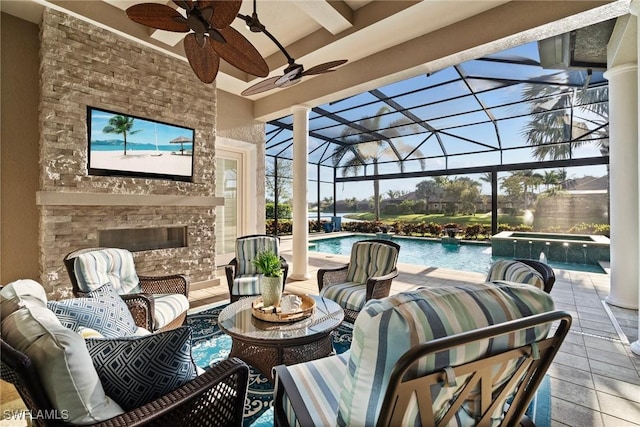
{"x":369,"y":273}
{"x":157,"y":303}
{"x":215,"y":398}
{"x":242,"y":275}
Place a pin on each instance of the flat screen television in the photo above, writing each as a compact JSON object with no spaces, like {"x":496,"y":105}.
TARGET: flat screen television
{"x":125,"y":145}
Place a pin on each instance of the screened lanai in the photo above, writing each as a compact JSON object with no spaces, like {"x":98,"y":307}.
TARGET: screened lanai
{"x":508,"y":113}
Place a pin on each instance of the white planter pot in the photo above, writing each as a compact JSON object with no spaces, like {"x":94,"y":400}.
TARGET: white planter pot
{"x":271,"y":289}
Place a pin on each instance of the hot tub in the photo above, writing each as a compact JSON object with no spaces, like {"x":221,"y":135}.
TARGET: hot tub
{"x":571,"y":248}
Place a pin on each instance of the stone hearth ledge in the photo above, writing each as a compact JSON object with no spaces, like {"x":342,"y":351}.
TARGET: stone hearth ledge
{"x":56,"y":198}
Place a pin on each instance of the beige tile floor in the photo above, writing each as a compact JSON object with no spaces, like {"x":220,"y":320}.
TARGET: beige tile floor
{"x":595,"y":379}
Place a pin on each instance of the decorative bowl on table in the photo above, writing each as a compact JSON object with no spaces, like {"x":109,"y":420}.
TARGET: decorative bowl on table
{"x":275,"y":313}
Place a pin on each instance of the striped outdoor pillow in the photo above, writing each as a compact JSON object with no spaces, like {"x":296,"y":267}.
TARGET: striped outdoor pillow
{"x":247,"y":249}
{"x":387,"y":328}
{"x":515,"y":271}
{"x":370,"y":259}
{"x":96,"y":268}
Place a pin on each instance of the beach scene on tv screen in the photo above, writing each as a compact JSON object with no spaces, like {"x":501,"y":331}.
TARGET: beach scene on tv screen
{"x":118,"y":142}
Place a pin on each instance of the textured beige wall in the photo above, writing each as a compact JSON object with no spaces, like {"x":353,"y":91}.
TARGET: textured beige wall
{"x":19,"y":150}
{"x":84,"y":65}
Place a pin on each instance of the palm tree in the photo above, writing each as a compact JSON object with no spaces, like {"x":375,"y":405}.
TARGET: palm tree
{"x":553,"y":132}
{"x":550,"y":178}
{"x":121,"y":125}
{"x":365,"y":142}
{"x":529,"y":180}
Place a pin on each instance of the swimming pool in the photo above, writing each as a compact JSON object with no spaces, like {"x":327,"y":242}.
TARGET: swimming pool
{"x":465,"y":257}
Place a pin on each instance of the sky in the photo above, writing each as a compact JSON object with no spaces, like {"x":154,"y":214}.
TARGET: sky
{"x":510,"y":122}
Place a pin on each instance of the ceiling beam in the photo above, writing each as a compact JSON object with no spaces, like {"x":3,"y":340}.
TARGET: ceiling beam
{"x":334,"y":16}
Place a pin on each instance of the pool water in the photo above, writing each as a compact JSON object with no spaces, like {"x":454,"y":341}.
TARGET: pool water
{"x":465,"y":257}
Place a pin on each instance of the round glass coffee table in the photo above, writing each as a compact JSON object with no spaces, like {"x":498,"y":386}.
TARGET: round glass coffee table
{"x":264,"y":344}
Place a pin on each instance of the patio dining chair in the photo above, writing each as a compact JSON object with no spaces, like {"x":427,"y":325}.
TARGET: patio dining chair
{"x":157,"y":303}
{"x":243,"y":278}
{"x":368,"y":275}
{"x":416,"y":360}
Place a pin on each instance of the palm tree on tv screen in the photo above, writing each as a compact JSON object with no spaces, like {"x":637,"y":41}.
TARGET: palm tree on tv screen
{"x":368,"y":142}
{"x":121,"y":125}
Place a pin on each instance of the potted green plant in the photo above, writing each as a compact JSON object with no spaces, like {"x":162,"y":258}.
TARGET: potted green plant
{"x":268,"y":265}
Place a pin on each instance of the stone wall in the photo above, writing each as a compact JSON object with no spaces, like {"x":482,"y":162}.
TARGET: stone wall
{"x":83,"y":65}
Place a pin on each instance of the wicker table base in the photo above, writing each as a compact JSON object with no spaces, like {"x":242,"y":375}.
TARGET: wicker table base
{"x":265,"y":345}
{"x":264,"y":357}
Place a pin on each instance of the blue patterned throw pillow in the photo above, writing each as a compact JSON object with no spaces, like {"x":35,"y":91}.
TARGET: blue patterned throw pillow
{"x":102,"y":310}
{"x":136,"y":370}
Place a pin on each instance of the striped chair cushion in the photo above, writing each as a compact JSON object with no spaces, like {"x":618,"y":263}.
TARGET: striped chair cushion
{"x":514,"y":271}
{"x":370,"y":259}
{"x":324,"y":374}
{"x":94,"y":269}
{"x":246,"y":285}
{"x":387,"y":328}
{"x":248,"y":248}
{"x":167,"y":307}
{"x":349,"y":295}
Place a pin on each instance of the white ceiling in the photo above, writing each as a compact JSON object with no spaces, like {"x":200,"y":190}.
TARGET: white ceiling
{"x":384,"y":41}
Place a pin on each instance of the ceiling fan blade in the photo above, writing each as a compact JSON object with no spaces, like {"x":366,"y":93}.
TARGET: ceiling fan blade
{"x":324,"y":68}
{"x":239,"y":52}
{"x":260,"y":87}
{"x":224,"y":11}
{"x":158,"y":16}
{"x":203,"y":60}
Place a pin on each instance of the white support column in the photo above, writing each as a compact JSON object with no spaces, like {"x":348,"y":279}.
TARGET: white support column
{"x":635,"y":12}
{"x":623,"y":175}
{"x":300,"y":267}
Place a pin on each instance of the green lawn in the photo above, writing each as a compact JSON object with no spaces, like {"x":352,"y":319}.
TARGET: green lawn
{"x":462,"y":220}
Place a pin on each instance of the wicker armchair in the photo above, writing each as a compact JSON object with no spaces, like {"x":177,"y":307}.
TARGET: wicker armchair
{"x":215,"y":398}
{"x":368,"y":275}
{"x":242,"y":275}
{"x":141,"y":300}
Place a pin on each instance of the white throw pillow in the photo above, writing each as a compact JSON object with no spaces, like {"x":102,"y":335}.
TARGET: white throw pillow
{"x":21,"y":293}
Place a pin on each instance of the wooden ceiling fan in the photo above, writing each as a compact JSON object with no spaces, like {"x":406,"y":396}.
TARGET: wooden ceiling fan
{"x":293,"y":73}
{"x":210,"y":35}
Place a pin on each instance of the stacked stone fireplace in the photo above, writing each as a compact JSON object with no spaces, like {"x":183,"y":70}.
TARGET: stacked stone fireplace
{"x":83,"y":65}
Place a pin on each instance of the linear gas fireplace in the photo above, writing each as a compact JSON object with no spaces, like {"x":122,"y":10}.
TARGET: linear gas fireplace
{"x":144,"y":239}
